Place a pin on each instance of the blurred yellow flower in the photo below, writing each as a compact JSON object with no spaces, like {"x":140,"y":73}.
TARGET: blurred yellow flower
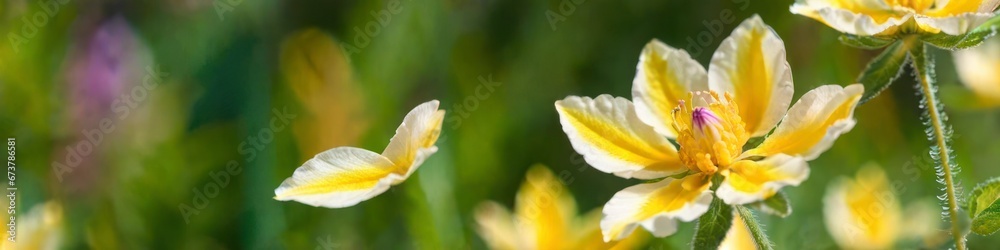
{"x":738,"y":237}
{"x":320,"y":77}
{"x":745,"y":93}
{"x":890,"y":17}
{"x":41,"y":228}
{"x":864,"y":213}
{"x":345,"y":176}
{"x":545,"y":217}
{"x":979,"y":69}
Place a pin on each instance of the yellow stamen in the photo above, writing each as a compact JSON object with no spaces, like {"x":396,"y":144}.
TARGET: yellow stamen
{"x":710,"y":135}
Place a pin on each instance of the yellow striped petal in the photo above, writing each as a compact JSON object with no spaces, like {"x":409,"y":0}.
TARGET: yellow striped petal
{"x":339,"y":177}
{"x":415,"y":138}
{"x":957,"y":24}
{"x":345,"y":176}
{"x":738,"y":237}
{"x":958,"y":7}
{"x":813,"y":123}
{"x":751,"y":181}
{"x":859,"y":17}
{"x":862,"y":213}
{"x":496,"y":226}
{"x":656,"y":206}
{"x":979,"y":70}
{"x":751,"y":65}
{"x":544,"y":209}
{"x":663,"y":78}
{"x":612,"y":139}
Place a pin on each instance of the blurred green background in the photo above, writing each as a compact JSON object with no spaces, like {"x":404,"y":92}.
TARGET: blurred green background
{"x":228,"y":66}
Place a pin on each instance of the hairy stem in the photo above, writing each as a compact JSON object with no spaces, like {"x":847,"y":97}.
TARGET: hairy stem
{"x":756,"y":230}
{"x":936,"y":122}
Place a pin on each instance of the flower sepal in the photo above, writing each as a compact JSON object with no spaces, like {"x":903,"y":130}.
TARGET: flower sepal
{"x":866,"y":42}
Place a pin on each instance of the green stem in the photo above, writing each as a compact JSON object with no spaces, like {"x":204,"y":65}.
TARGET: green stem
{"x":924,"y":71}
{"x":756,"y":230}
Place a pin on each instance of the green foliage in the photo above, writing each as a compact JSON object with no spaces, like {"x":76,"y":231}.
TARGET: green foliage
{"x":865,"y":42}
{"x":883,"y":70}
{"x":713,"y":225}
{"x":968,"y":40}
{"x":756,"y":231}
{"x":984,"y":207}
{"x":776,"y":205}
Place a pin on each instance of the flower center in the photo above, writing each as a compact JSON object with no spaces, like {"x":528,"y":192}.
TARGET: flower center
{"x":710,"y":135}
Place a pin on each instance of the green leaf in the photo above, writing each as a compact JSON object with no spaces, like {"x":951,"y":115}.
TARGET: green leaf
{"x":883,"y":70}
{"x":776,"y":205}
{"x":984,"y":207}
{"x":864,"y":42}
{"x":968,"y":40}
{"x":713,"y":225}
{"x":756,"y":231}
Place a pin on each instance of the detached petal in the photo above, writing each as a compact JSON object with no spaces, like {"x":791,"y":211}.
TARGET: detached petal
{"x":339,"y":177}
{"x":415,"y":138}
{"x":496,"y":226}
{"x":663,"y":78}
{"x":544,"y":209}
{"x":751,"y":65}
{"x":750,"y":181}
{"x":656,"y":206}
{"x":862,"y":213}
{"x":609,"y":135}
{"x":813,"y":123}
{"x":979,"y":69}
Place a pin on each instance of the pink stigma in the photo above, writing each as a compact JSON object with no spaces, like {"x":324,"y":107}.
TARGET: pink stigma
{"x":702,"y":117}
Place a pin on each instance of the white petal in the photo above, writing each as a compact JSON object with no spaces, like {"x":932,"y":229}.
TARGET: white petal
{"x":955,"y":25}
{"x":816,"y":120}
{"x":749,"y":182}
{"x":339,"y":177}
{"x":655,"y":206}
{"x":415,"y":138}
{"x":849,"y":22}
{"x":664,"y":77}
{"x":612,"y":139}
{"x":751,"y":65}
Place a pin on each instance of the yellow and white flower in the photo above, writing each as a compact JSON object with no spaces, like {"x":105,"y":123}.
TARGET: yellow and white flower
{"x":889,"y":17}
{"x":345,"y":176}
{"x":545,"y":218}
{"x":711,"y":114}
{"x":864,"y":213}
{"x":979,"y":69}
